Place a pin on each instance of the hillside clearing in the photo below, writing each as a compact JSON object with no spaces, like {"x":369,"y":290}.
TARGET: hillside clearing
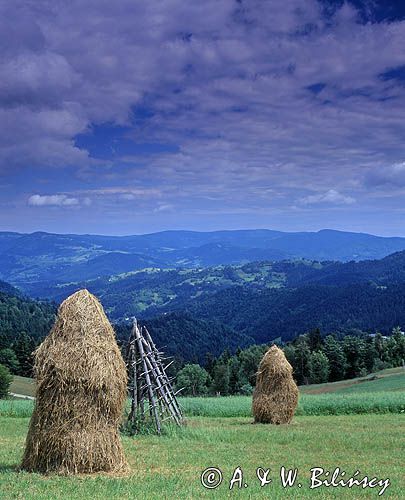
{"x":23,"y":385}
{"x":389,"y":379}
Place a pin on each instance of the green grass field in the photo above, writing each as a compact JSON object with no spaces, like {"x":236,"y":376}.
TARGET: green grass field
{"x":170,"y":466}
{"x":354,"y":425}
{"x":381,"y":393}
{"x":390,"y":379}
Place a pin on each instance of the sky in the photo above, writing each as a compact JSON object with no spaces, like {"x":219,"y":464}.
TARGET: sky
{"x":131,"y":117}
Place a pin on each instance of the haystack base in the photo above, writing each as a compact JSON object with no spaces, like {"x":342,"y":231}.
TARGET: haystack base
{"x":77,"y":451}
{"x":278,"y":408}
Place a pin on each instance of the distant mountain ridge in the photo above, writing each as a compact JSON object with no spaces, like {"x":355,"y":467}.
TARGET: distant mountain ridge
{"x":26,"y":259}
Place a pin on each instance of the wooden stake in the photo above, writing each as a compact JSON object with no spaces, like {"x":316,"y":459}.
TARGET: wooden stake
{"x":148,"y":381}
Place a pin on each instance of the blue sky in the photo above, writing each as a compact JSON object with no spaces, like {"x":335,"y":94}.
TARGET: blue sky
{"x":129,"y":116}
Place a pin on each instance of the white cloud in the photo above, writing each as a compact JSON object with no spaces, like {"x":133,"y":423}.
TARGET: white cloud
{"x":166,"y":207}
{"x":127,"y":196}
{"x":55,"y":200}
{"x":391,"y":176}
{"x":331,"y":197}
{"x":125,"y":193}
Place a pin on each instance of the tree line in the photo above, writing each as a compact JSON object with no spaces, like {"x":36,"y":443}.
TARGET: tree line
{"x":315,"y":359}
{"x":23,"y":324}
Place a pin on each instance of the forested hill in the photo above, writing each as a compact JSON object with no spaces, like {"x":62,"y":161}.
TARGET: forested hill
{"x":387,"y":271}
{"x":269,"y":314}
{"x":195,"y":311}
{"x":152,"y":291}
{"x":259,"y":301}
{"x":9,"y":289}
{"x":190,"y":339}
{"x":25,"y":322}
{"x":22,"y":316}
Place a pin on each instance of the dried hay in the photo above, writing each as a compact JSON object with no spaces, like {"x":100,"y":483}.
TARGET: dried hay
{"x":81,"y":391}
{"x":275,"y":396}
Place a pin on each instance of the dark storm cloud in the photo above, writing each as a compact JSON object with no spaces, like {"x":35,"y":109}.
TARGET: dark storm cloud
{"x":278,"y":104}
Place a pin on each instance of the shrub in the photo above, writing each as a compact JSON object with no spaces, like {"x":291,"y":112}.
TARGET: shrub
{"x":246,"y":390}
{"x":5,"y":381}
{"x":9,"y":359}
{"x":193,"y":380}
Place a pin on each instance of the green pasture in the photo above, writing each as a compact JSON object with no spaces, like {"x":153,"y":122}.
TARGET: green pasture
{"x":356,"y":425}
{"x":170,"y":466}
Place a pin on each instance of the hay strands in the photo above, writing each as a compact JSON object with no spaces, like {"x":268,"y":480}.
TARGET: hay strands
{"x":150,"y":384}
{"x":81,"y":393}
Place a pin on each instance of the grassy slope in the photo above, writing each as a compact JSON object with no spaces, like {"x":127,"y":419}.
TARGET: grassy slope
{"x":23,"y":385}
{"x":380,"y":393}
{"x":170,"y":466}
{"x":385,"y":380}
{"x":317,"y":405}
{"x":389,"y":379}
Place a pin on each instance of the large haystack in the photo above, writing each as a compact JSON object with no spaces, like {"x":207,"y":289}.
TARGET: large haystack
{"x":81,"y":390}
{"x":275,"y":396}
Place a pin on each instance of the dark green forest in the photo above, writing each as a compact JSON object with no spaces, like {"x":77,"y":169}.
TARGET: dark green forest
{"x":23,"y":324}
{"x":268,"y":314}
{"x":186,"y":338}
{"x":315,"y":360}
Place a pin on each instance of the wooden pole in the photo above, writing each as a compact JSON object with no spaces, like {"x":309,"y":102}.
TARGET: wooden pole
{"x":149,"y":381}
{"x":134,"y":402}
{"x":164,"y":383}
{"x":163,"y":394}
{"x":171,"y":391}
{"x":152,"y":401}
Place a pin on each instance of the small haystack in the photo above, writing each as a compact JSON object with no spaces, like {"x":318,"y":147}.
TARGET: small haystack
{"x":81,"y":391}
{"x":275,"y":396}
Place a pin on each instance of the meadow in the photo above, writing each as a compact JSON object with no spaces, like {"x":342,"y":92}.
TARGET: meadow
{"x":354,"y":425}
{"x":240,"y":406}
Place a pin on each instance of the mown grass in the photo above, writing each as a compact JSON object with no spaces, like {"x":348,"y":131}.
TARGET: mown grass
{"x":170,"y":466}
{"x":391,"y":383}
{"x":353,"y":426}
{"x":388,"y":379}
{"x":23,"y":385}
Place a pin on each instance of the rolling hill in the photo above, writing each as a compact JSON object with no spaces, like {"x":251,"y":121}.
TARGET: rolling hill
{"x":261,"y":300}
{"x":196,"y":310}
{"x":31,"y":260}
{"x":153,"y":290}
